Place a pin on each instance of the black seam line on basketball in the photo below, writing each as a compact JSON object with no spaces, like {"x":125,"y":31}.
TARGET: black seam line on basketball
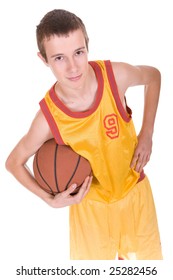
{"x":42,"y":175}
{"x":79,"y":157}
{"x":55,"y":170}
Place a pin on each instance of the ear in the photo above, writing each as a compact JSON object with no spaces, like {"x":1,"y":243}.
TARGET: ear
{"x":42,"y":58}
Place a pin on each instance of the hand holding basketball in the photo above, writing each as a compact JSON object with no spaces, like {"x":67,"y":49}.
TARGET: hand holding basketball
{"x":62,"y":173}
{"x":66,"y":199}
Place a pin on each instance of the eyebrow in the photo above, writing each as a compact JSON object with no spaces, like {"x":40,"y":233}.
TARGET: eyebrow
{"x":59,"y":54}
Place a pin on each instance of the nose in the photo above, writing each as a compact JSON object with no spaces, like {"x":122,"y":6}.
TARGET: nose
{"x":72,"y":65}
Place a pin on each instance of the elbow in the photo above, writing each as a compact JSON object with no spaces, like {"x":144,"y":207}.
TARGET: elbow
{"x":158,"y":79}
{"x":157,"y":75}
{"x":155,"y":78}
{"x":10,"y":164}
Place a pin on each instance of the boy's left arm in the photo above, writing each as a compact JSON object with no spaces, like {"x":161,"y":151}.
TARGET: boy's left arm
{"x":127,"y":76}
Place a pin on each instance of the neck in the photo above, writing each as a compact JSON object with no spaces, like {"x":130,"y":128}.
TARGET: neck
{"x":79,"y":99}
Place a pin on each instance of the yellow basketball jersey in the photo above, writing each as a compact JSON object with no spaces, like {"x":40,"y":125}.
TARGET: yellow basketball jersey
{"x":104,"y":134}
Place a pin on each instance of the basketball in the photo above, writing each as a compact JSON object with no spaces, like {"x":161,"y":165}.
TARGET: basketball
{"x":57,"y":167}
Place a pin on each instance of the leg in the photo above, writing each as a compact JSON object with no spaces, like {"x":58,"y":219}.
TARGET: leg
{"x":140,"y":238}
{"x":89,"y":232}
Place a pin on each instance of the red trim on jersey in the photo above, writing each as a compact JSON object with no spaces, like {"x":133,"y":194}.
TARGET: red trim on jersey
{"x":51,"y":122}
{"x":115,"y":93}
{"x":99,"y":94}
{"x":120,"y":107}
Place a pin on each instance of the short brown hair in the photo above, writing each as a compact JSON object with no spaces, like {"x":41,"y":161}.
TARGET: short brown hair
{"x":58,"y":22}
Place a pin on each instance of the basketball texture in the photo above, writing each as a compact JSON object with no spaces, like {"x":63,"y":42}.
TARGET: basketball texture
{"x":56,"y":167}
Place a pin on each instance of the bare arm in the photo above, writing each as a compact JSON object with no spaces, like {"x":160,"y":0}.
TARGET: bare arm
{"x":38,"y":133}
{"x":128,"y":76}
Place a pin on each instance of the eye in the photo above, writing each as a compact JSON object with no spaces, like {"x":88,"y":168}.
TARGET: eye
{"x":79,"y":52}
{"x":59,"y":58}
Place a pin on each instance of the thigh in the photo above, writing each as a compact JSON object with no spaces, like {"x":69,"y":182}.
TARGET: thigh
{"x":89,"y":232}
{"x":140,"y":237}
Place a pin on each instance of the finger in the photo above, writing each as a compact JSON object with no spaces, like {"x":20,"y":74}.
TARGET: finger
{"x":134,"y":160}
{"x":139,"y":165}
{"x":84,"y":185}
{"x":141,"y":162}
{"x":71,"y":189}
{"x":84,"y":188}
{"x":88,"y":186}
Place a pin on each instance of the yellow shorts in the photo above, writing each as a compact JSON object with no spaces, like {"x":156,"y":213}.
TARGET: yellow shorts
{"x":126,"y":228}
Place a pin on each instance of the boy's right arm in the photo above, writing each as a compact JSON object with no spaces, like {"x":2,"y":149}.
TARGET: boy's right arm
{"x":38,"y":133}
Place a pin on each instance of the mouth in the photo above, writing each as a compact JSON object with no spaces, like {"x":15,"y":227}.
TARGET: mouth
{"x":75,"y":78}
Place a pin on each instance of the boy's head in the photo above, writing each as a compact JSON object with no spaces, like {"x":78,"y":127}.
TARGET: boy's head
{"x":58,"y":22}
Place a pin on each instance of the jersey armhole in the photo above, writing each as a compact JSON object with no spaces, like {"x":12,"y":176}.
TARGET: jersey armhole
{"x":125,"y":114}
{"x":52,"y":124}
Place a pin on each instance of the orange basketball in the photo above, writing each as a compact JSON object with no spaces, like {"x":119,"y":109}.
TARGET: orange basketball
{"x":56,"y":167}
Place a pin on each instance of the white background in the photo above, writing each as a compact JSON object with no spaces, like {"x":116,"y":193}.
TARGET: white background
{"x":133,"y":31}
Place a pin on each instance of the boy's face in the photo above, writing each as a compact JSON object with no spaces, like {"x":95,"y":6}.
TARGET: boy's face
{"x":67,"y":57}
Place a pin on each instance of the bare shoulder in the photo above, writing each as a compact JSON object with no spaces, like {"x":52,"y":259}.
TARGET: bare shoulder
{"x":122,"y":72}
{"x":127,"y":75}
{"x":38,"y":133}
{"x":39,"y":129}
